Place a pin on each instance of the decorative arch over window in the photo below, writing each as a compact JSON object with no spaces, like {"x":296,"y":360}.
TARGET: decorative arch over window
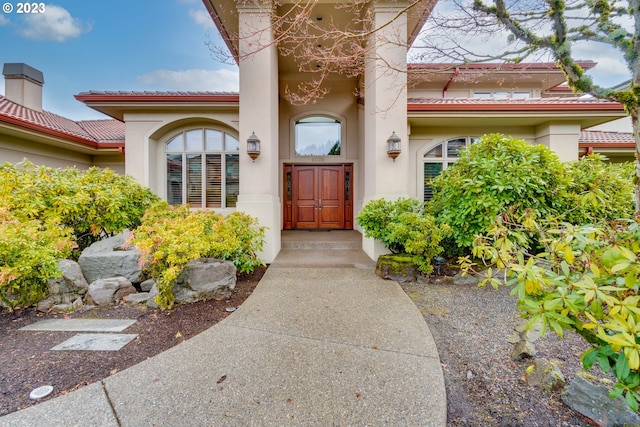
{"x":203,"y":169}
{"x":439,"y":157}
{"x":318,"y":135}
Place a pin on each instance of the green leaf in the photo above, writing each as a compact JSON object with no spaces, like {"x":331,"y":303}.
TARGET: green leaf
{"x":632,"y":401}
{"x":588,"y":358}
{"x":617,"y":391}
{"x":621,"y":370}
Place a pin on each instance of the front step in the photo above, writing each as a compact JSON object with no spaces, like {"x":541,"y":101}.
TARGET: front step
{"x":321,"y":239}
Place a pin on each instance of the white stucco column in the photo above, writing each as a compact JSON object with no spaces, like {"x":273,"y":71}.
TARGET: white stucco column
{"x":259,"y":191}
{"x":561,"y":138}
{"x":385,"y":110}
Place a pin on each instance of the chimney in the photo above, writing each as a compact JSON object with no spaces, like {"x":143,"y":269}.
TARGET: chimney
{"x":23,"y":85}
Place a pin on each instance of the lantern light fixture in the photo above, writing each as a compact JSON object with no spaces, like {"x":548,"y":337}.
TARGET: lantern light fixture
{"x":393,"y":146}
{"x":253,"y":146}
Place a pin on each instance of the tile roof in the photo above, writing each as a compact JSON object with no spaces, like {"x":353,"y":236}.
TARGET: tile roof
{"x":604,"y":138}
{"x":435,"y":104}
{"x":175,"y":96}
{"x":95,"y":133}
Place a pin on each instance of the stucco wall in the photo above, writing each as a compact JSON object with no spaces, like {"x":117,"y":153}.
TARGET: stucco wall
{"x":15,"y":150}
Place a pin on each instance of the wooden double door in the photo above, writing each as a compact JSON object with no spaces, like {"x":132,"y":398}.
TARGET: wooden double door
{"x":318,"y":196}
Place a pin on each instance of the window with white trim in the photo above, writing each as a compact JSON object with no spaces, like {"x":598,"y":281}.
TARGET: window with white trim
{"x":203,"y":169}
{"x":438,"y":158}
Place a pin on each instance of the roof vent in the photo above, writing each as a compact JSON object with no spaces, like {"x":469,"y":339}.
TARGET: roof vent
{"x":23,"y":85}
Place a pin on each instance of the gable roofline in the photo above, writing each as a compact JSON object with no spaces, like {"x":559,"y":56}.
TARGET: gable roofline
{"x":495,"y":66}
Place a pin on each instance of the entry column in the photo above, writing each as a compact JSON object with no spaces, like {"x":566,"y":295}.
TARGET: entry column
{"x":258,"y":61}
{"x":385,"y":109}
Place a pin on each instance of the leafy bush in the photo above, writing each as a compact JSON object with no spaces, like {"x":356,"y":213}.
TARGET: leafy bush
{"x":496,"y":175}
{"x":92,"y":202}
{"x":402,"y":226}
{"x":29,"y":254}
{"x":586,"y":280}
{"x":170,"y":236}
{"x":598,"y":191}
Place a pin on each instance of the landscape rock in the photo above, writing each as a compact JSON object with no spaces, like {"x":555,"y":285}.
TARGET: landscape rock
{"x":152,"y":293}
{"x":593,"y":401}
{"x":466,"y":280}
{"x":139,"y":298}
{"x":45,"y":305}
{"x":146,"y":285}
{"x":70,"y":286}
{"x":62,"y":308}
{"x":523,"y":350}
{"x":109,"y":291}
{"x":204,"y":279}
{"x":108,"y":258}
{"x":546,"y":375}
{"x":397,"y":267}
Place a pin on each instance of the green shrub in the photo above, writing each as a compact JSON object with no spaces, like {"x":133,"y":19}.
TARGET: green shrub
{"x":94,"y":202}
{"x":586,"y":280}
{"x":496,"y":175}
{"x":598,"y":191}
{"x":29,"y":254}
{"x":402,"y":226}
{"x":170,"y":236}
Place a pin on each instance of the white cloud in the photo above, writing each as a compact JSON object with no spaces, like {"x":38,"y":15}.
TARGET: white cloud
{"x":56,"y":23}
{"x":192,"y":80}
{"x":201,"y":17}
{"x":3,"y":20}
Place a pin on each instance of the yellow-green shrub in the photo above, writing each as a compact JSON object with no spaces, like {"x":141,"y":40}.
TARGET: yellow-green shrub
{"x":92,"y":202}
{"x":171,"y":236}
{"x":587,"y":280}
{"x":29,"y":254}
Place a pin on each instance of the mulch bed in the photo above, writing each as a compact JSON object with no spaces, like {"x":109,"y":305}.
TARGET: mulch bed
{"x":26,"y":361}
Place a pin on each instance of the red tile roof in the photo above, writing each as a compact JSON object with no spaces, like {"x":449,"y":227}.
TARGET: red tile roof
{"x":596,"y":138}
{"x":178,"y":96}
{"x":94,"y":133}
{"x":527,"y":104}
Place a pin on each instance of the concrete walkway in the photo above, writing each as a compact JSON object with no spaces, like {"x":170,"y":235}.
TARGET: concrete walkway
{"x":321,"y":341}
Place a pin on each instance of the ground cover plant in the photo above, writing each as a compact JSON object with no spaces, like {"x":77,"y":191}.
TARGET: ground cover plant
{"x":170,"y":236}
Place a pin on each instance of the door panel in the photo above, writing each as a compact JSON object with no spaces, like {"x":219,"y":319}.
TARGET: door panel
{"x":305,"y":195}
{"x":317,"y":196}
{"x":331,"y":197}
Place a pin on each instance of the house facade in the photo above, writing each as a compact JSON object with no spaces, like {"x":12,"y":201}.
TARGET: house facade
{"x":382,"y":132}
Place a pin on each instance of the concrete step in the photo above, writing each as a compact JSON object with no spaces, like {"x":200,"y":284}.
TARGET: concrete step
{"x":321,"y":239}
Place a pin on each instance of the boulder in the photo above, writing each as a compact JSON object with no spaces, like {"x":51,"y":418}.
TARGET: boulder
{"x":139,"y":298}
{"x":109,"y":291}
{"x":593,"y":401}
{"x":70,"y":286}
{"x":523,"y":350}
{"x":109,"y":258}
{"x":398,"y":267}
{"x":545,"y":374}
{"x":203,"y":279}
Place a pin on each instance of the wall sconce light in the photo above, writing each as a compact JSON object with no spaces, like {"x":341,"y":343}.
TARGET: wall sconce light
{"x":393,"y":146}
{"x":253,"y":146}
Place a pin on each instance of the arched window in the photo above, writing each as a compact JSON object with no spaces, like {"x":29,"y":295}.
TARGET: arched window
{"x":318,"y":136}
{"x":203,"y":169}
{"x":439,"y":158}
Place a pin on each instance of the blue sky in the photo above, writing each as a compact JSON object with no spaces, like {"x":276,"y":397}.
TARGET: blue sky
{"x":83,"y":45}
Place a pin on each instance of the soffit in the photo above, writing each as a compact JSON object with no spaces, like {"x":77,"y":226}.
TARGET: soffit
{"x":334,"y":14}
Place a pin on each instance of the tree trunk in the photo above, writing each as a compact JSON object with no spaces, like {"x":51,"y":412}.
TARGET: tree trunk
{"x":635,"y":122}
